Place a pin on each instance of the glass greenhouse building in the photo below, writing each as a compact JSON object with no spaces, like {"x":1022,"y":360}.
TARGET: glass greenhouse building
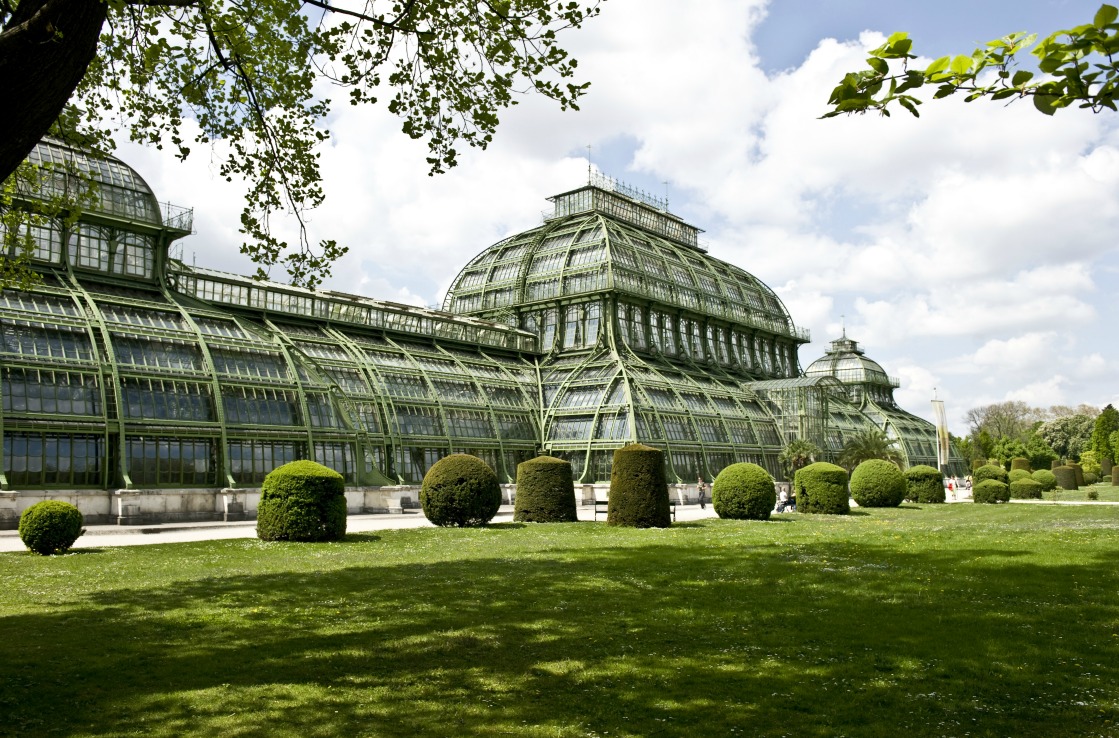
{"x":607,"y":324}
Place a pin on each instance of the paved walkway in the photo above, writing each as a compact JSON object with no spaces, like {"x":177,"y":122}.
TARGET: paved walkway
{"x":97,"y":536}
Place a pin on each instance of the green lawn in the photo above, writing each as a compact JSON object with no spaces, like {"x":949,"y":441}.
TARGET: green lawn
{"x":1106,"y":493}
{"x":939,"y":620}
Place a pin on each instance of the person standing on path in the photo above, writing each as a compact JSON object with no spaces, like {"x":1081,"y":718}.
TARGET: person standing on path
{"x":701,"y":488}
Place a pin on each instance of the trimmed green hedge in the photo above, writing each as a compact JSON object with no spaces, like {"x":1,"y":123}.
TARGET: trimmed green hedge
{"x":1055,"y":463}
{"x":821,"y":488}
{"x":877,"y":483}
{"x":545,"y":491}
{"x":924,"y":484}
{"x":1115,"y":476}
{"x":1090,"y":478}
{"x":1079,"y":470}
{"x":990,"y":491}
{"x":990,"y":471}
{"x":50,"y":527}
{"x":744,"y":492}
{"x":302,"y":501}
{"x":1046,"y":479}
{"x":1025,"y":489}
{"x":460,"y":491}
{"x":976,"y":464}
{"x":638,"y":488}
{"x":1020,"y":462}
{"x":1016,"y":474}
{"x":1066,"y":477}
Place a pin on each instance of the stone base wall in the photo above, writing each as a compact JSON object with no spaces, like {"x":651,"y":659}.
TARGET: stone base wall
{"x":154,"y":506}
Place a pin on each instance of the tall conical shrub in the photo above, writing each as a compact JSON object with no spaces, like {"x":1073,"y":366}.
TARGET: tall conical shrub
{"x":638,"y":488}
{"x":1066,"y":477}
{"x":1020,"y":463}
{"x":545,"y":491}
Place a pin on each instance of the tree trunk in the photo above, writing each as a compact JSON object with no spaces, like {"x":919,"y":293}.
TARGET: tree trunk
{"x":45,"y":49}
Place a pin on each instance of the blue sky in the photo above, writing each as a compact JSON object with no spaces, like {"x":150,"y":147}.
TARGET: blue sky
{"x":971,"y":250}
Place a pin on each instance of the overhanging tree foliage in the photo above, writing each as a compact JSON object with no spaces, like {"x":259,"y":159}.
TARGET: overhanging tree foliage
{"x":259,"y":75}
{"x":1078,"y":67}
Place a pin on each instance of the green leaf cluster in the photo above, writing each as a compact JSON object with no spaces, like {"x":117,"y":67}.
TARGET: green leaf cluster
{"x":1078,"y":66}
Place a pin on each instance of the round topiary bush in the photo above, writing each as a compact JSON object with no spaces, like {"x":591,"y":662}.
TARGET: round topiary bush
{"x":990,"y":471}
{"x":1079,"y":470}
{"x":638,"y":488}
{"x":877,"y":483}
{"x":1066,"y":477}
{"x":1046,"y":479}
{"x":743,"y":492}
{"x":460,"y":491}
{"x":545,"y":491}
{"x":1091,"y":478}
{"x":1025,"y":489}
{"x":990,"y":491}
{"x":821,"y":488}
{"x":50,"y":527}
{"x":924,"y":484}
{"x":1016,"y":474}
{"x":302,"y":501}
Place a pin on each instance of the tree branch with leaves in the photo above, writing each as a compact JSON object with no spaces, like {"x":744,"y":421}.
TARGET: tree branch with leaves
{"x":1078,"y":67}
{"x":260,"y":76}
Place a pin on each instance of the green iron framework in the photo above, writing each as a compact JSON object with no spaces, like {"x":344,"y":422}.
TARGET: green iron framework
{"x":606,"y":325}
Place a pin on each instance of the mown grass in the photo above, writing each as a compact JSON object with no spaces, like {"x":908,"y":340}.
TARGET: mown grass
{"x":945,"y":620}
{"x":1105,"y":492}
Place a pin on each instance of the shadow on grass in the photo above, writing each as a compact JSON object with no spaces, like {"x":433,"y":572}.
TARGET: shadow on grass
{"x":649,"y":639}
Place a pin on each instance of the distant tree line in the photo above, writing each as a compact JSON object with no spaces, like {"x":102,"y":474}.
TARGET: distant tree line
{"x":1008,"y":430}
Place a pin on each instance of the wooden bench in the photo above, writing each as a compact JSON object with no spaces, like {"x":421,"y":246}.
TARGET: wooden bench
{"x":603,"y":507}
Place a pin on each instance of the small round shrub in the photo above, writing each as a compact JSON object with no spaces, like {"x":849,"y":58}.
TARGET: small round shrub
{"x":545,"y":491}
{"x":1093,"y":494}
{"x":50,"y":527}
{"x":638,"y":488}
{"x":1016,"y":474}
{"x":1025,"y":489}
{"x":1020,"y":462}
{"x":302,"y":501}
{"x":924,"y":484}
{"x":1091,"y":478}
{"x":1079,"y":470}
{"x":743,"y":492}
{"x":460,"y":491}
{"x":990,"y":471}
{"x":1066,"y":477}
{"x":990,"y":491}
{"x":821,"y":488}
{"x":1046,"y":479}
{"x":877,"y":483}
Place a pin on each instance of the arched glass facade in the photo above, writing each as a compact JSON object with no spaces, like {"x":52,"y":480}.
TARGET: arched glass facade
{"x":607,"y":324}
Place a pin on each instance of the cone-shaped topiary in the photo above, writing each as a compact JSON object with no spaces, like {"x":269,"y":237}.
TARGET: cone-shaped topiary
{"x":990,"y":471}
{"x":1025,"y":489}
{"x":302,"y":501}
{"x":50,"y":527}
{"x":990,"y":491}
{"x":877,"y":483}
{"x":822,"y":488}
{"x":545,"y":491}
{"x":1066,"y":477}
{"x":460,"y":491}
{"x":1105,"y":468}
{"x":1016,"y":474}
{"x":976,"y":463}
{"x":1046,"y":479}
{"x":1115,"y":476}
{"x":1055,"y":463}
{"x":743,"y":492}
{"x":1020,"y":462}
{"x":638,"y":488}
{"x":1079,"y":471}
{"x":924,"y":484}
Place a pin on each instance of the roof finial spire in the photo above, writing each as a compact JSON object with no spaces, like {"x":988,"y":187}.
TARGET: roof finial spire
{"x":588,"y":163}
{"x":843,"y":323}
